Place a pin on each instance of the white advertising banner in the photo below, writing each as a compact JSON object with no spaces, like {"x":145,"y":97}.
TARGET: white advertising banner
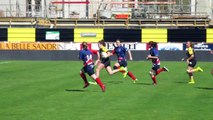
{"x":130,"y":46}
{"x":170,"y":46}
{"x":69,"y":46}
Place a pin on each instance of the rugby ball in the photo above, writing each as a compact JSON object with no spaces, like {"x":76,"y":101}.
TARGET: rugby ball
{"x":104,"y":55}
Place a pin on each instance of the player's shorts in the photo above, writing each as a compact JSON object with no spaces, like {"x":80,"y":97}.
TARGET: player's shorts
{"x":89,"y":69}
{"x":192,"y":63}
{"x":122,"y":63}
{"x":106,"y":62}
{"x":155,"y":67}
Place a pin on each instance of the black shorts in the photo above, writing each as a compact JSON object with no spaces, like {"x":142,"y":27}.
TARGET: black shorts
{"x":192,"y":63}
{"x":155,"y":67}
{"x":122,"y":63}
{"x":89,"y":69}
{"x":106,"y":62}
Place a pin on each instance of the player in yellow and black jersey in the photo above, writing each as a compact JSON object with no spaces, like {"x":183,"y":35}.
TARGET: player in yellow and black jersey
{"x":191,"y":61}
{"x":105,"y":60}
{"x":104,"y":54}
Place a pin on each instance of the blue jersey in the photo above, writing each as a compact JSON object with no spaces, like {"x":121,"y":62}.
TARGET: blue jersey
{"x":154,"y":52}
{"x":120,"y":52}
{"x":86,"y":56}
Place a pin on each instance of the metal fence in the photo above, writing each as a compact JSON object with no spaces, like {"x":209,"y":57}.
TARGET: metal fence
{"x":92,"y":11}
{"x":15,"y":10}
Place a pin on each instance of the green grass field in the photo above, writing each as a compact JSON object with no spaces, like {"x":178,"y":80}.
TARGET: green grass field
{"x":52,"y":90}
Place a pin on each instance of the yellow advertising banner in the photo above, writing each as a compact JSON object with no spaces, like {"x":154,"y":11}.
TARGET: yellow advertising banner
{"x":157,"y":35}
{"x":88,"y":34}
{"x":209,"y":35}
{"x":28,"y":46}
{"x":21,"y":34}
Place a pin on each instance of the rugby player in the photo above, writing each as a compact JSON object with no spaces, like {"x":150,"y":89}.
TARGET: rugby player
{"x":191,"y":61}
{"x":153,"y":55}
{"x":86,"y":56}
{"x":95,"y":52}
{"x":105,"y":60}
{"x":120,"y":51}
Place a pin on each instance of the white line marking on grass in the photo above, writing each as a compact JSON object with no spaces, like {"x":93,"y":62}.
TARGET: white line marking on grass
{"x":4,"y":62}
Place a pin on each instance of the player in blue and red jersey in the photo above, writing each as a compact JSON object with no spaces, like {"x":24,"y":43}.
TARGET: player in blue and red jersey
{"x":153,"y":55}
{"x":86,"y":56}
{"x":120,"y":51}
{"x":96,"y":52}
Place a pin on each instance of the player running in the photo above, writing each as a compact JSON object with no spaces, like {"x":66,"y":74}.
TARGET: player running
{"x":191,"y":61}
{"x":153,"y":55}
{"x":105,"y":60}
{"x":86,"y":56}
{"x":120,"y":51}
{"x":95,"y":52}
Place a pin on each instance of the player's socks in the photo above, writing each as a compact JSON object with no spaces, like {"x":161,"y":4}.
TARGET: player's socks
{"x":122,"y":69}
{"x":160,"y":70}
{"x":83,"y":76}
{"x":130,"y":74}
{"x":98,"y":80}
{"x":198,"y":69}
{"x":103,"y":88}
{"x":154,"y":80}
{"x":86,"y":83}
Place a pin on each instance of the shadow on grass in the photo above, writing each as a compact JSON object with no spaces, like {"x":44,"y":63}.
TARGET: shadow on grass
{"x":80,"y":91}
{"x":74,"y":90}
{"x":144,"y":83}
{"x":204,"y":88}
{"x":181,"y":82}
{"x":115,"y":82}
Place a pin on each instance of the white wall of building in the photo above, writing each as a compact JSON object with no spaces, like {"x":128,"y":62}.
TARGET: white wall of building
{"x":202,"y":7}
{"x":10,"y":5}
{"x":211,"y":11}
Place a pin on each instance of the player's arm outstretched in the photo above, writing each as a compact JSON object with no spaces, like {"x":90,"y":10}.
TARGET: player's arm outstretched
{"x":98,"y":59}
{"x":151,"y":57}
{"x":189,"y":58}
{"x":80,"y":55}
{"x":130,"y":55}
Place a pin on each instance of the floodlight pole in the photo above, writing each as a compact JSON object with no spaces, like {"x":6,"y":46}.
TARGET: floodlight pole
{"x":87,"y":9}
{"x":196,"y":7}
{"x":45,"y":8}
{"x":10,"y":9}
{"x":63,"y":9}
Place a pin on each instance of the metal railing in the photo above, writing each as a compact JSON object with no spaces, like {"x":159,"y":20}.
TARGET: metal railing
{"x":79,"y":11}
